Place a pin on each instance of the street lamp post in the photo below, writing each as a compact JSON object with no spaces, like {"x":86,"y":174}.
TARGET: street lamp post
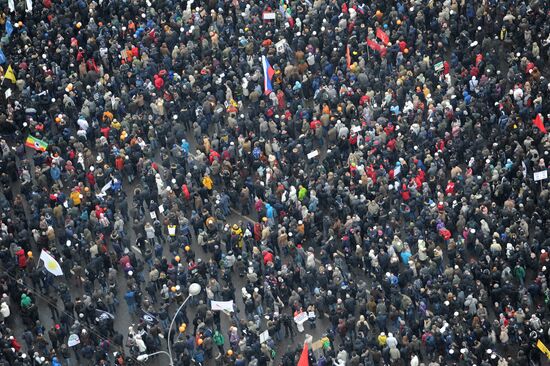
{"x":143,"y":358}
{"x":194,"y":290}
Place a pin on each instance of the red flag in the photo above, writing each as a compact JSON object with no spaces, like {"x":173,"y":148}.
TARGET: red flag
{"x":539,"y":123}
{"x":373,"y":44}
{"x":304,"y":359}
{"x":382,"y":36}
{"x":348,"y":57}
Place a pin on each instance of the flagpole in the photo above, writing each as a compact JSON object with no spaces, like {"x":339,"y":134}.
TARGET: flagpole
{"x":368,"y":53}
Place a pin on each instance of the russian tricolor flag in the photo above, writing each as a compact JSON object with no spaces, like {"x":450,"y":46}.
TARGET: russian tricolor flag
{"x":268,"y":75}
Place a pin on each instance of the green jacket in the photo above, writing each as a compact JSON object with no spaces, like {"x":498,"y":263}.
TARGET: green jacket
{"x":25,"y":301}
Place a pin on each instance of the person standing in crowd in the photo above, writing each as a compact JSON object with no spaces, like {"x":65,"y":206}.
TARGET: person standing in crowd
{"x":376,"y":169}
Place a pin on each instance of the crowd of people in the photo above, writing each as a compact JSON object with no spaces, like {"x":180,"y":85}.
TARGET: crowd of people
{"x":383,"y":170}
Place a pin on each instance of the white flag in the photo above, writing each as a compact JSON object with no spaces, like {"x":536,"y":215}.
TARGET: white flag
{"x":11,"y":5}
{"x":222,"y":305}
{"x":29,"y":6}
{"x":50,"y":263}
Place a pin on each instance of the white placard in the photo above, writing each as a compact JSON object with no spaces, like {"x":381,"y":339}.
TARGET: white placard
{"x":281,"y":46}
{"x":540,"y":175}
{"x":161,"y":209}
{"x":73,"y":340}
{"x":301,"y":318}
{"x":153,"y":215}
{"x":396,"y":171}
{"x":313,"y":154}
{"x":8,"y":93}
{"x":264,"y":336}
{"x":269,"y":16}
{"x":356,"y":129}
{"x":222,"y":305}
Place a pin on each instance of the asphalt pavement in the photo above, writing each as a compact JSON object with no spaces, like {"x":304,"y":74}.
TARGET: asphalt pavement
{"x":123,"y":319}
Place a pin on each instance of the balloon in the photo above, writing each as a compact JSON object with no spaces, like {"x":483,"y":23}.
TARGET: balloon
{"x":29,"y":254}
{"x":187,"y":248}
{"x":230,"y":352}
{"x":398,"y":21}
{"x":406,"y":50}
{"x":199,"y":342}
{"x":173,"y":288}
{"x":177,"y":258}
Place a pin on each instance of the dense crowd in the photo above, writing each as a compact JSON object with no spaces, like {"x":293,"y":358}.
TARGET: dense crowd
{"x":381,"y":168}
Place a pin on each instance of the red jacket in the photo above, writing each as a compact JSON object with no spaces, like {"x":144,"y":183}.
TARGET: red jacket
{"x":450,"y":188}
{"x":405,"y":193}
{"x":15,"y":345}
{"x":268,"y":257}
{"x":91,"y":178}
{"x":119,"y":163}
{"x":185,"y":191}
{"x":214,"y":155}
{"x":159,"y":82}
{"x":21,"y":259}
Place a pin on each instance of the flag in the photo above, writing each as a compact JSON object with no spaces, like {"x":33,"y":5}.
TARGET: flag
{"x":373,"y":44}
{"x":10,"y":75}
{"x":285,"y":10}
{"x":304,"y":358}
{"x":222,"y":305}
{"x":383,"y":36}
{"x":348,"y":57}
{"x":103,"y":315}
{"x":29,"y":6}
{"x":50,"y":263}
{"x":149,"y":318}
{"x":2,"y":57}
{"x":36,"y":144}
{"x":268,"y":75}
{"x":539,"y":123}
{"x":9,"y":27}
{"x":11,"y":5}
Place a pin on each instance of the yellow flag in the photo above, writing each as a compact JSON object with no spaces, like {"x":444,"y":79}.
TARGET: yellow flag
{"x":10,"y":75}
{"x":543,"y":348}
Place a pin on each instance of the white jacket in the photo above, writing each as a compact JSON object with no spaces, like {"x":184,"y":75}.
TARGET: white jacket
{"x":5,"y":310}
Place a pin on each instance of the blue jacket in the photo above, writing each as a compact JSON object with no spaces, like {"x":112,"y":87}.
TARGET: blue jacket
{"x":55,"y":173}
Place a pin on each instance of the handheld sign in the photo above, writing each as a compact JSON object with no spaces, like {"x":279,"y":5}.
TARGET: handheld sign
{"x":301,"y":318}
{"x":313,"y":154}
{"x":540,"y":175}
